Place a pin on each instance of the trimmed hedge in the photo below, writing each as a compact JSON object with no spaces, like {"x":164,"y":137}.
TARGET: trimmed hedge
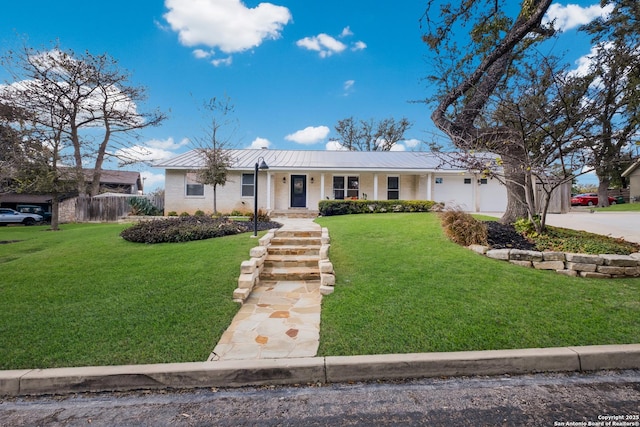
{"x":347,"y":207}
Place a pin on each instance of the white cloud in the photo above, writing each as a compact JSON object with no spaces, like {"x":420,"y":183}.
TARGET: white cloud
{"x":327,"y":45}
{"x":348,"y":87}
{"x":324,"y":44}
{"x":226,"y":61}
{"x":346,"y":32}
{"x":201,"y":54}
{"x":412,"y":143}
{"x":152,"y":151}
{"x":309,"y":135}
{"x":227,"y":25}
{"x":259,"y":143}
{"x":359,"y":45}
{"x":152,"y":181}
{"x":572,"y":16}
{"x":335,"y":146}
{"x":398,"y":147}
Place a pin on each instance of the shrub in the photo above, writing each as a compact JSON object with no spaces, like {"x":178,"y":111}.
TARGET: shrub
{"x":184,"y":214}
{"x":188,"y":228}
{"x":462,"y":228}
{"x":346,"y":207}
{"x":172,"y":213}
{"x":262,"y":216}
{"x":199,"y":213}
{"x":141,"y":206}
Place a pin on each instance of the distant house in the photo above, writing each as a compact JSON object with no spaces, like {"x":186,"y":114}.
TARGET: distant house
{"x":113,"y":181}
{"x":632,"y":174}
{"x":298,"y":179}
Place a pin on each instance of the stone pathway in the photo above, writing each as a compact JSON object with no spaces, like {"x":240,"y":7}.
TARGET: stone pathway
{"x":279,"y":319}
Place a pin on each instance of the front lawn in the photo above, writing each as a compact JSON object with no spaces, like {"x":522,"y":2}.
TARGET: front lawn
{"x":402,"y":287}
{"x":84,"y":296}
{"x":622,"y":207}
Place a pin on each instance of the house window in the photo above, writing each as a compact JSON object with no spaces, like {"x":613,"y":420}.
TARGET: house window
{"x":438,"y":180}
{"x":483,"y":181}
{"x":247,"y":185}
{"x":351,"y":190}
{"x":393,"y":188}
{"x":467,"y":180}
{"x":193,"y":187}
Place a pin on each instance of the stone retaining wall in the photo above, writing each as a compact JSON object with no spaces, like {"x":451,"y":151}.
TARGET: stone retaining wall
{"x":604,"y":266}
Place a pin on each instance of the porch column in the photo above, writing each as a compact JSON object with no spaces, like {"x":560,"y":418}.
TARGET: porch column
{"x":429,"y":187}
{"x":321,"y":186}
{"x":375,"y":186}
{"x":268,"y":191}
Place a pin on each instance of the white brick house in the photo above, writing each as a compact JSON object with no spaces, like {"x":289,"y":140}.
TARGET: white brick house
{"x":299,"y":179}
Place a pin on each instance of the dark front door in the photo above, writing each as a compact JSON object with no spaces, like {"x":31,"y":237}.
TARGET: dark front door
{"x":298,"y":191}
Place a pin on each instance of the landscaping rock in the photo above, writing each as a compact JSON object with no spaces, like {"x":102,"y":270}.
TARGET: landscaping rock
{"x":577,"y":266}
{"x":549,"y":265}
{"x":591,"y":275}
{"x":607,"y":269}
{"x":479,"y":249}
{"x":584,"y":259}
{"x":619,"y":260}
{"x":502,"y":254}
{"x":553,"y":256}
{"x":520,"y":255}
{"x":520,"y":263}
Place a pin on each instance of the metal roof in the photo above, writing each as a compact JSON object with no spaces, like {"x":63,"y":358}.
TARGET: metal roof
{"x":318,"y":160}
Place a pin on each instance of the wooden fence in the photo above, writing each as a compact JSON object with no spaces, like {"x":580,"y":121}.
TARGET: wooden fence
{"x":104,"y":209}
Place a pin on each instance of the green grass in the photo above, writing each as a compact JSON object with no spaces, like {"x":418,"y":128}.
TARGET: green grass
{"x":402,"y":287}
{"x":84,"y":296}
{"x":623,"y":207}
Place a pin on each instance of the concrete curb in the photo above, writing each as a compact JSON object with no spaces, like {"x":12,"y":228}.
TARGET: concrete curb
{"x":317,"y":369}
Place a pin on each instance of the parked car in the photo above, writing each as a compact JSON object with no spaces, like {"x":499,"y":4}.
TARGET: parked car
{"x":34,"y":209}
{"x":9,"y":216}
{"x":589,"y":199}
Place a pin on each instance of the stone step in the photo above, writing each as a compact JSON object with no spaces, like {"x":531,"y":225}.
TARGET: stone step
{"x":295,"y":241}
{"x":291,"y":261}
{"x":294,"y":273}
{"x":298,"y":233}
{"x":293,"y":250}
{"x":294,"y":213}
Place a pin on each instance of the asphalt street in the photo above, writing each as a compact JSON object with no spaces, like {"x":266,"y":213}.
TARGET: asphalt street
{"x":530,"y":400}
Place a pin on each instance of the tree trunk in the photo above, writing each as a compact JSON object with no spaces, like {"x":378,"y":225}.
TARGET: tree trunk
{"x":515,"y":181}
{"x":55,"y":212}
{"x":215,"y":207}
{"x":603,"y":186}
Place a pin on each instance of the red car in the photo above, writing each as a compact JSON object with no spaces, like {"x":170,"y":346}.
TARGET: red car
{"x":588,"y":199}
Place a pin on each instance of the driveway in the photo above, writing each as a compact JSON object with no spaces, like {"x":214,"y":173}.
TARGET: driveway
{"x":615,"y":224}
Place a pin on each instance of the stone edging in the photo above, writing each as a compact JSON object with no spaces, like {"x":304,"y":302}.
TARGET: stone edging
{"x":603,"y":266}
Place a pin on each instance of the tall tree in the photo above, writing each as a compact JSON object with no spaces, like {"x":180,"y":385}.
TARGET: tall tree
{"x":615,"y":92}
{"x":371,"y":135}
{"x":87,"y":100}
{"x":214,"y":146}
{"x":468,"y":81}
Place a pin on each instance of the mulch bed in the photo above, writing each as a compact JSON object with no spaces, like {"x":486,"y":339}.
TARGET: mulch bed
{"x":505,"y":236}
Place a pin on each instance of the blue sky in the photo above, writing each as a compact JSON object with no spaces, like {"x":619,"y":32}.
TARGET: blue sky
{"x":291,"y":68}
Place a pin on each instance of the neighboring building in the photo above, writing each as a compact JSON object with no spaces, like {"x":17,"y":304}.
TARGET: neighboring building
{"x":114,"y":181}
{"x":632,"y":174}
{"x":299,"y":179}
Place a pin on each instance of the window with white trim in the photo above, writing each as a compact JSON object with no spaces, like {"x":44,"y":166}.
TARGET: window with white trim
{"x":393,"y":188}
{"x":247,"y":185}
{"x":193,"y":188}
{"x":350,"y":190}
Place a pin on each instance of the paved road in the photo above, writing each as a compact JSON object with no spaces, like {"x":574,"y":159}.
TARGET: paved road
{"x":614,"y":224}
{"x":540,"y":400}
